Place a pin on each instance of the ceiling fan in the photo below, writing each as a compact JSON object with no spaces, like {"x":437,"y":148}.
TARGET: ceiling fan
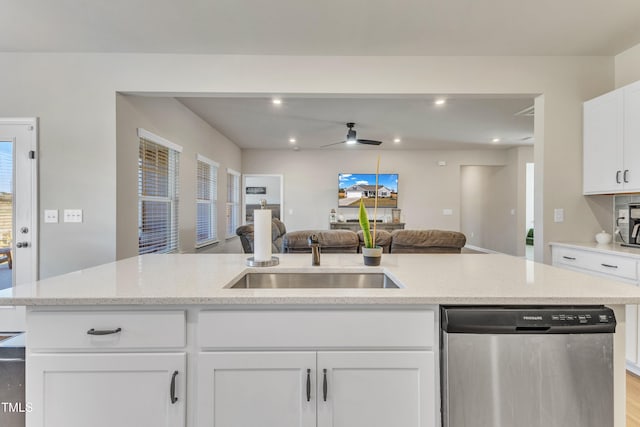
{"x":352,"y":139}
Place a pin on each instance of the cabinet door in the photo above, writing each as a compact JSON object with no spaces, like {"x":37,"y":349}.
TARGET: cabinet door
{"x":377,"y":389}
{"x":602,"y":144}
{"x":632,"y":137}
{"x":256,"y":389}
{"x":106,"y":390}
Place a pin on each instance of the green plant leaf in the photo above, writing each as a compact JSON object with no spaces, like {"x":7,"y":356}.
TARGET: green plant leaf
{"x":364,"y":224}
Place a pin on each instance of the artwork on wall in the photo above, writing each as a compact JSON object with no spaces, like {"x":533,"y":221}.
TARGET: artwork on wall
{"x":256,"y":190}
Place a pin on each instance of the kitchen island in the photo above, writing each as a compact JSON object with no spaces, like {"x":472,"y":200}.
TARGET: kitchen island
{"x":161,"y":340}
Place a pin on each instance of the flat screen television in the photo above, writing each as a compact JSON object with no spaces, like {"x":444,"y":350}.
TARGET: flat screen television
{"x":353,"y":186}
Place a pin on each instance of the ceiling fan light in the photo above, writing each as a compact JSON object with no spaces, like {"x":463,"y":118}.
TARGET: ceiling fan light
{"x":351,"y":141}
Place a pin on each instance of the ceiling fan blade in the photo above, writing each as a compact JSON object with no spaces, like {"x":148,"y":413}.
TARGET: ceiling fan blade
{"x":335,"y":143}
{"x":369,"y":142}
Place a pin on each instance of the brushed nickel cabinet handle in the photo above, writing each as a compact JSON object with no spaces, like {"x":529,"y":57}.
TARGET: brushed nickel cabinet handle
{"x":618,"y":177}
{"x":609,"y":265}
{"x":568,"y":257}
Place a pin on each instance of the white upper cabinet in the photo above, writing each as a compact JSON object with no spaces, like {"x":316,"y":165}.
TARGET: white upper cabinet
{"x":632,"y":138}
{"x":611,"y":142}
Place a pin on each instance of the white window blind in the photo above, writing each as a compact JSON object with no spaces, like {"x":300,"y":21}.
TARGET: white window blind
{"x":157,"y":195}
{"x":206,"y":201}
{"x":233,"y":202}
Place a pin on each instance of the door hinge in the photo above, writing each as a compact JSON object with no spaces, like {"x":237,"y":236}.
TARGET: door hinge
{"x":32,"y":154}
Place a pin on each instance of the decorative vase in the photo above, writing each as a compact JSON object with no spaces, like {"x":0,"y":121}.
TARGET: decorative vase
{"x":372,"y":256}
{"x":603,"y":238}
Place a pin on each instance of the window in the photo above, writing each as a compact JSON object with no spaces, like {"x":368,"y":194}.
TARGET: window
{"x":157,"y":194}
{"x":206,"y":201}
{"x":233,"y":202}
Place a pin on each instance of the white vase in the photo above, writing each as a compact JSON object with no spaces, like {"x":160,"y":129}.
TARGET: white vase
{"x":603,"y":238}
{"x":372,"y":256}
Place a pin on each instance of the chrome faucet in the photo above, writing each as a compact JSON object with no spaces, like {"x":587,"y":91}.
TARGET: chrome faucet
{"x":314,"y":242}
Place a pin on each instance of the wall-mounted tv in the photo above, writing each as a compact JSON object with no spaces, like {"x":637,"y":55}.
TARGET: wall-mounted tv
{"x":353,"y":186}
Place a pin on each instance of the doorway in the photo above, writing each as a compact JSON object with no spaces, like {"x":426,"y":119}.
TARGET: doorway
{"x":18,"y":212}
{"x":529,"y":221}
{"x":257,"y":187}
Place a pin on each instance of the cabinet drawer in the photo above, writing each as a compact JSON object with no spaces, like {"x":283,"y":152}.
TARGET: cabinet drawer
{"x":318,"y":329}
{"x":612,"y":265}
{"x":70,"y":329}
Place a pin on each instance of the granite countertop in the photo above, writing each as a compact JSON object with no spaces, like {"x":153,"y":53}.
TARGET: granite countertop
{"x":192,"y":279}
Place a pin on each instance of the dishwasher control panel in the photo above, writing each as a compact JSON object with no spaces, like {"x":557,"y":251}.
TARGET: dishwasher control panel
{"x":514,"y":319}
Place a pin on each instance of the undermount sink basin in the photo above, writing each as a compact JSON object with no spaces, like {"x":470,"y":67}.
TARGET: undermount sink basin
{"x":314,"y":280}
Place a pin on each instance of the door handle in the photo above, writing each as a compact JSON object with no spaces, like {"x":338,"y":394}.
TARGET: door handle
{"x":625,"y":175}
{"x":172,"y":389}
{"x":308,"y":385}
{"x":22,"y":245}
{"x":324,"y":385}
{"x":618,"y":177}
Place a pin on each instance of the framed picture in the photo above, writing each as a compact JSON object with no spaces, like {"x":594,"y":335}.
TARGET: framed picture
{"x":256,"y":190}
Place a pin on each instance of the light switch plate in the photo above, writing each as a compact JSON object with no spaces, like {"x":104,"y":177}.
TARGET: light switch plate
{"x":447,"y":212}
{"x":558,"y":215}
{"x":73,"y":215}
{"x":51,"y":216}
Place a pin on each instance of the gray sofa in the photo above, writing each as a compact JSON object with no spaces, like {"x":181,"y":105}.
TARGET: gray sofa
{"x":399,"y":241}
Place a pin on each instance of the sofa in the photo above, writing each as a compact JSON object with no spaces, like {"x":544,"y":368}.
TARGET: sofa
{"x":278,"y":230}
{"x":427,"y":241}
{"x":399,"y":241}
{"x":331,"y":241}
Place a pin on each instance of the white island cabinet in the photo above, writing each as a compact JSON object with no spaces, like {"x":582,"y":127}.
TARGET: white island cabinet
{"x":285,"y":367}
{"x":105,"y":369}
{"x":383,"y":374}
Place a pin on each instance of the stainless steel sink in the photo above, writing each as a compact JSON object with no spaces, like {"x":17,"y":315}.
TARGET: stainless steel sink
{"x":314,"y":280}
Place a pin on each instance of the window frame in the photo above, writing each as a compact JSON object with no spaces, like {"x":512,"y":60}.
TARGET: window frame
{"x":234,"y":205}
{"x":173,"y":190}
{"x":213,"y":202}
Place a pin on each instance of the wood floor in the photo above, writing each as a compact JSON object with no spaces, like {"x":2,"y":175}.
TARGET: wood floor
{"x":633,"y":400}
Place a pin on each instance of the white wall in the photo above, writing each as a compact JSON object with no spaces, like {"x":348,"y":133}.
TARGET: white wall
{"x":169,"y":119}
{"x":74,"y":95}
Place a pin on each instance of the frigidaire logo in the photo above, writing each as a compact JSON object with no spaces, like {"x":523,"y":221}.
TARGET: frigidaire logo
{"x":531,"y":317}
{"x":16,"y":407}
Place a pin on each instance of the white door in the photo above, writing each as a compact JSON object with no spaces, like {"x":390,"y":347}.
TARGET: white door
{"x":106,"y":390}
{"x":376,"y":389}
{"x":256,"y":389}
{"x":18,"y":212}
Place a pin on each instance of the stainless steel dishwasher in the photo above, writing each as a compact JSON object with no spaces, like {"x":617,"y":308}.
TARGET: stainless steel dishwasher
{"x":526,"y":367}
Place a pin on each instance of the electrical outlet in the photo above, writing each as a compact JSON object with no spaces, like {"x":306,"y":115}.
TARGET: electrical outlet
{"x":622,"y":216}
{"x":51,"y":216}
{"x":73,"y":215}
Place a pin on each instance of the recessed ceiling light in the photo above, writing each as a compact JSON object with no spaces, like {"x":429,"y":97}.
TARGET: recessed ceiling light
{"x":276,"y":101}
{"x":494,"y":140}
{"x":397,"y":140}
{"x":440,"y":101}
{"x":292,"y":140}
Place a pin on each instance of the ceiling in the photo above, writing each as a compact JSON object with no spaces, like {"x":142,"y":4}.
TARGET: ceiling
{"x":463,"y":122}
{"x":327,"y":27}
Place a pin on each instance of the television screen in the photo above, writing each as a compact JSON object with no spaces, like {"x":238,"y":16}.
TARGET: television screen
{"x":353,"y":186}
